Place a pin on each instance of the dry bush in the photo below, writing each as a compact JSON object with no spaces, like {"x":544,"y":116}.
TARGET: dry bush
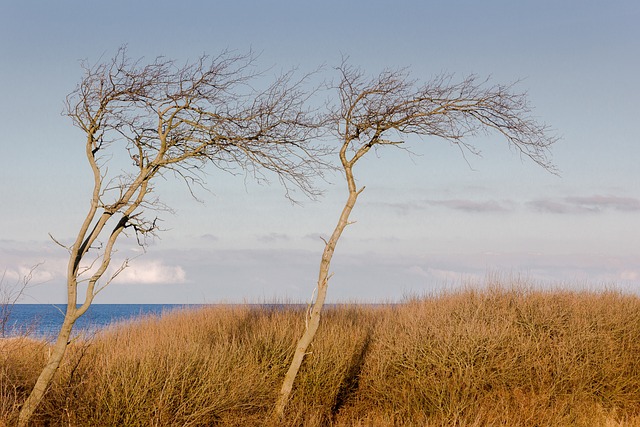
{"x":190,"y":368}
{"x":331,"y":371}
{"x":505,"y":357}
{"x":490,"y":357}
{"x":21,"y":360}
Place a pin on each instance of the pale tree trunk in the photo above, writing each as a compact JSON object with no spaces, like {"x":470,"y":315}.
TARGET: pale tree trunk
{"x":73,"y":312}
{"x":57,"y":353}
{"x":313,"y":319}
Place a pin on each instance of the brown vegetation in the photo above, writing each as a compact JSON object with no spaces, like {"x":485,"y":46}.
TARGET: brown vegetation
{"x":487,"y":357}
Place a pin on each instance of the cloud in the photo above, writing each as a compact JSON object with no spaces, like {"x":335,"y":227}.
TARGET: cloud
{"x":438,"y":275}
{"x":472,"y":206}
{"x":209,"y":237}
{"x":273,"y":237}
{"x":550,"y":206}
{"x":18,"y":258}
{"x":260,"y":273}
{"x":316,"y":237}
{"x":463,"y":205}
{"x":402,"y":208}
{"x":561,"y":205}
{"x":151,"y":272}
{"x":588,"y":204}
{"x":598,"y":203}
{"x":29,"y":276}
{"x":629,"y":275}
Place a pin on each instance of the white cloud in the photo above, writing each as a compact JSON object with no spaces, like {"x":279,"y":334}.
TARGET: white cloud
{"x":630,"y":275}
{"x":585,"y":204}
{"x":438,"y":275}
{"x":151,"y":272}
{"x":379,"y":272}
{"x":43,"y":262}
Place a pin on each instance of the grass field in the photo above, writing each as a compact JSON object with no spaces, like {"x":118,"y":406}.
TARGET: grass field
{"x":491,"y":357}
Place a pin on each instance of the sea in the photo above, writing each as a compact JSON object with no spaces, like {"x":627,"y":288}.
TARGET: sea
{"x":44,"y":320}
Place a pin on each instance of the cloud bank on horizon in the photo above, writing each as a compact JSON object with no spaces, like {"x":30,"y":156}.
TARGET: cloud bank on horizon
{"x":426,"y":222}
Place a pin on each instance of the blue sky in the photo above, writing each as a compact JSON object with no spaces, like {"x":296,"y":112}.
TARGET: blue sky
{"x":424,"y":223}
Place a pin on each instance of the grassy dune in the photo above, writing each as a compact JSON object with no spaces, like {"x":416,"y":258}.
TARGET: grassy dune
{"x":491,"y":357}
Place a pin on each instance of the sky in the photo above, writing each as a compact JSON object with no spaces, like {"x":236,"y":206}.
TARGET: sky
{"x":426,"y":223}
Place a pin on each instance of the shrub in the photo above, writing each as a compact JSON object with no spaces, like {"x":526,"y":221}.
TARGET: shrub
{"x":496,"y":356}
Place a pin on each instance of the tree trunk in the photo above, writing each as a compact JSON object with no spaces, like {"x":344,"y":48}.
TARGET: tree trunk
{"x":314,"y":316}
{"x":31,"y":404}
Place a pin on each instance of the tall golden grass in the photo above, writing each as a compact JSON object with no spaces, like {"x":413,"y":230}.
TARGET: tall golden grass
{"x":490,"y":357}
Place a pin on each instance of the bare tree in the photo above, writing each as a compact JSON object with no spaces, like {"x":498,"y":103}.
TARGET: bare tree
{"x":149,"y":120}
{"x":381,"y":111}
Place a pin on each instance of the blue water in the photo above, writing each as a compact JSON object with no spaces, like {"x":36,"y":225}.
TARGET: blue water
{"x":44,"y":320}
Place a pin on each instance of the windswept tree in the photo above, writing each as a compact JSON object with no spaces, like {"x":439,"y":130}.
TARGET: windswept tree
{"x":384,"y":111}
{"x":142,"y":121}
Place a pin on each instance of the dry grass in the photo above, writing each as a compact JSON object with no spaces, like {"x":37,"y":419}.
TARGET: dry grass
{"x":21,"y":359}
{"x":491,"y":357}
{"x":513,"y":358}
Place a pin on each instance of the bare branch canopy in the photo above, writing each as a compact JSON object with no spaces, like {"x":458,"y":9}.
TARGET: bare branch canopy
{"x":383,"y":110}
{"x":142,"y":120}
{"x":178,"y":117}
{"x":374,"y":111}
